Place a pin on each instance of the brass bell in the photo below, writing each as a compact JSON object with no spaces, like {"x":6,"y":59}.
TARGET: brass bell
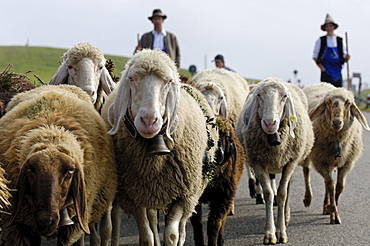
{"x":156,"y":146}
{"x":64,"y":218}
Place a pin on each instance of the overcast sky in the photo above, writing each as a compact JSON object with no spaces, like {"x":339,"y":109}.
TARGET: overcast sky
{"x":258,"y":38}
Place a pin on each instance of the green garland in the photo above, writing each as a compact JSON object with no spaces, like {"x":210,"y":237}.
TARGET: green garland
{"x":209,"y":167}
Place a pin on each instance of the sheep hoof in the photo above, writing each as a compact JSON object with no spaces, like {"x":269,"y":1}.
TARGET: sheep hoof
{"x":283,"y":240}
{"x":269,"y":240}
{"x":307,"y":202}
{"x":259,"y":199}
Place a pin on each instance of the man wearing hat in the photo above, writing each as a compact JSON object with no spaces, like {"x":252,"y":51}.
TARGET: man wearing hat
{"x":160,"y":39}
{"x":220,"y":62}
{"x":330,"y":53}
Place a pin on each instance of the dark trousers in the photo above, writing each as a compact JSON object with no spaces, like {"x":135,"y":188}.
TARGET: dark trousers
{"x":327,"y":78}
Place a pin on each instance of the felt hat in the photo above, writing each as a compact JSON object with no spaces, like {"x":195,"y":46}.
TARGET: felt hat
{"x":157,"y":12}
{"x":329,"y":19}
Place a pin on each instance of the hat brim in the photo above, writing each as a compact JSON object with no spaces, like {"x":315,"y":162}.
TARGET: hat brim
{"x":323,"y":26}
{"x":163,"y":16}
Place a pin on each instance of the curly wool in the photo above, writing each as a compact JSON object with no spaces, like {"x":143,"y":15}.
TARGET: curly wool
{"x":83,"y":50}
{"x":55,"y":116}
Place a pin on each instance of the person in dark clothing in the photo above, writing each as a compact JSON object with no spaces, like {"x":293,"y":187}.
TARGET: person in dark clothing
{"x":160,"y":39}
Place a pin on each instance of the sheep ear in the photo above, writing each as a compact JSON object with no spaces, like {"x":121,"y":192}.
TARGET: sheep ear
{"x":79,"y":199}
{"x":359,"y":116}
{"x":118,"y":108}
{"x":22,"y":187}
{"x":250,"y":110}
{"x":317,"y":110}
{"x":172,"y":103}
{"x":106,"y":81}
{"x":60,"y":76}
{"x":290,"y":114}
{"x":223,"y":108}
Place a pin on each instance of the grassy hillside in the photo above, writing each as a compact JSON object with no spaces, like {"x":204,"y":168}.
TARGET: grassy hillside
{"x":44,"y":61}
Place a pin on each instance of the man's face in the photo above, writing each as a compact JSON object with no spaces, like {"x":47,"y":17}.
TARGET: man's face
{"x":329,"y":27}
{"x":220,"y":64}
{"x":157,"y":21}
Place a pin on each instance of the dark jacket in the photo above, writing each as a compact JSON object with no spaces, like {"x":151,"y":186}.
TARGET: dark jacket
{"x":170,"y":42}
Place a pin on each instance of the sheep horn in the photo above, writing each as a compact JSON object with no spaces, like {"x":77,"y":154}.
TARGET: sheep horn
{"x":64,"y":218}
{"x":157,"y":146}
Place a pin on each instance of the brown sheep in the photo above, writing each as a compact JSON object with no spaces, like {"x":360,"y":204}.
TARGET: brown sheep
{"x":220,"y":193}
{"x":57,"y":154}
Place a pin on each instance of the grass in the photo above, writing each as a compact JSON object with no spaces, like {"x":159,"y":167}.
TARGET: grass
{"x":44,"y":61}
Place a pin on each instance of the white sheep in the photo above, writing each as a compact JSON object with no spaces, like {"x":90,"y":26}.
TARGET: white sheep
{"x":84,"y":66}
{"x":225,"y":91}
{"x":276,"y":107}
{"x":148,"y":102}
{"x":337,"y":124}
{"x":57,"y":154}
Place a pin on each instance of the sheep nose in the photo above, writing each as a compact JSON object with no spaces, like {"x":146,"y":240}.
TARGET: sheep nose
{"x":269,"y":124}
{"x":337,"y":124}
{"x":149,"y":122}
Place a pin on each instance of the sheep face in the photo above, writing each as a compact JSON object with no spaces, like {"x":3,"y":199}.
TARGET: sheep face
{"x":272,"y":101}
{"x":215,"y":98}
{"x":83,"y":66}
{"x":86,"y":75}
{"x":339,"y":109}
{"x":148,"y":105}
{"x":50,"y":180}
{"x":149,"y":90}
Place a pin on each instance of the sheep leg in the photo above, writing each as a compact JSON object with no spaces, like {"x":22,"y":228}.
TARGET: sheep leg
{"x":341,"y":180}
{"x":216,"y":225}
{"x":146,"y":236}
{"x":282,"y":199}
{"x":251,"y":181}
{"x":307,"y":181}
{"x":329,"y":202}
{"x":273,"y":185}
{"x":287,"y":203}
{"x":153,"y":222}
{"x":259,"y":196}
{"x":94,"y":236}
{"x":197,"y":223}
{"x":263,"y":177}
{"x":171,"y":232}
{"x":116,"y":223}
{"x":105,"y":227}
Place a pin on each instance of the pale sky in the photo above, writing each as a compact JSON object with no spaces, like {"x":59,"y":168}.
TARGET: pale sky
{"x":258,"y":38}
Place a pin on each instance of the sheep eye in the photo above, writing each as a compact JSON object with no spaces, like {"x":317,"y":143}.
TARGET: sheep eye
{"x":71,"y":171}
{"x":70,"y":67}
{"x":130,"y":79}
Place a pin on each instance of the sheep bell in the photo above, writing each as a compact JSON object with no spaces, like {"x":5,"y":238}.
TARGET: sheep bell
{"x":156,"y":146}
{"x":273,"y":139}
{"x":64,"y":218}
{"x":335,"y":149}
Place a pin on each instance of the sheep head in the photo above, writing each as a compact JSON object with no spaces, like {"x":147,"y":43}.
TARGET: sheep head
{"x":340,"y":109}
{"x":215,"y":97}
{"x":272,"y":101}
{"x":50,"y":179}
{"x":83,"y":66}
{"x":150,"y":89}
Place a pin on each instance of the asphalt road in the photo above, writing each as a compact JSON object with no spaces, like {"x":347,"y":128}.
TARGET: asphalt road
{"x":307,"y":226}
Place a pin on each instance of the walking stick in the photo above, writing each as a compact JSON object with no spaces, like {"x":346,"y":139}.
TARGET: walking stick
{"x":348,"y":77}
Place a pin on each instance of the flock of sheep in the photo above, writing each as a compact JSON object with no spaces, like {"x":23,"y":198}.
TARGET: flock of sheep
{"x":77,"y":151}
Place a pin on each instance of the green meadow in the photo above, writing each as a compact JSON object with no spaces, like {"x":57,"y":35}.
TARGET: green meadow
{"x":44,"y":61}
